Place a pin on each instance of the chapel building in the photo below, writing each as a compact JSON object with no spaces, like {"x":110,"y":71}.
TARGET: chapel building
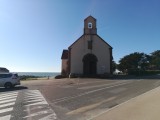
{"x":88,"y":55}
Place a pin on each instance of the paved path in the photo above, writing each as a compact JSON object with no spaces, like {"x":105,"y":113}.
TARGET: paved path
{"x":70,"y":99}
{"x":82,"y":99}
{"x":25,"y":105}
{"x":143,"y":107}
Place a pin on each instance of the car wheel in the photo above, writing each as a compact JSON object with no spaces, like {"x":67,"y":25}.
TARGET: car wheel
{"x":8,"y":85}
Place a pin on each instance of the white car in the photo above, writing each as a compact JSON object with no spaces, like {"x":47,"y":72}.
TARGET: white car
{"x":9,"y":80}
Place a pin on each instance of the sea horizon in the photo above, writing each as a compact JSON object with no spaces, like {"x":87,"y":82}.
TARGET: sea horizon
{"x":38,"y":74}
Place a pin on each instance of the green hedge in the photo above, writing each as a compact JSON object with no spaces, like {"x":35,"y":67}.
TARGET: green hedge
{"x":142,"y":72}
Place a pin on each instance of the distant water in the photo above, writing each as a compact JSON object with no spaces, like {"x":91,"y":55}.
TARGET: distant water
{"x":39,"y":74}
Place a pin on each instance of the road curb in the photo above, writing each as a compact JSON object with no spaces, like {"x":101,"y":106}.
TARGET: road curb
{"x":134,"y":98}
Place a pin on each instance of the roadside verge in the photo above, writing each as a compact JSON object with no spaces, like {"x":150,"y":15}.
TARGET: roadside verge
{"x":142,"y":107}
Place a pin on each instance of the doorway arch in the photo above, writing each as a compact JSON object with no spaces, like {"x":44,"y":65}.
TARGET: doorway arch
{"x":90,"y":64}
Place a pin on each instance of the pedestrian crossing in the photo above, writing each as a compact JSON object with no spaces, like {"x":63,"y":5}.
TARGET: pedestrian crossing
{"x":7,"y":101}
{"x":34,"y":106}
{"x":37,"y":106}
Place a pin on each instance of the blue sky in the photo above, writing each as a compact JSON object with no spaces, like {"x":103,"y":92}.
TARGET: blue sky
{"x":33,"y":33}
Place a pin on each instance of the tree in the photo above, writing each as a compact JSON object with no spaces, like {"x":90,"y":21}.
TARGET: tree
{"x":114,"y":65}
{"x":155,"y":60}
{"x":133,"y":61}
{"x":144,"y":61}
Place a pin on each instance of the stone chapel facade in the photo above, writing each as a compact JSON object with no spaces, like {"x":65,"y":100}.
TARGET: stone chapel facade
{"x":89,"y":54}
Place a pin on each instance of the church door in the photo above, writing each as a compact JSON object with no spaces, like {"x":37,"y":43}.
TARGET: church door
{"x":89,"y":64}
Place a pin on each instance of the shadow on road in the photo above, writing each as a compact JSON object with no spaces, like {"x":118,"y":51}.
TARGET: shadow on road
{"x":13,"y":89}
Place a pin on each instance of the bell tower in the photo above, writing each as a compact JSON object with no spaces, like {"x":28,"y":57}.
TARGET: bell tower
{"x":90,"y":25}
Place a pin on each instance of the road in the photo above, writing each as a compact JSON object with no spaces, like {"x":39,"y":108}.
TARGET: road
{"x":68,"y":99}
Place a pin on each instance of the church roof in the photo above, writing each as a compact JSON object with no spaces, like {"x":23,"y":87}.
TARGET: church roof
{"x":96,"y":35}
{"x":105,"y":42}
{"x":75,"y":41}
{"x":90,"y":17}
{"x":64,"y":54}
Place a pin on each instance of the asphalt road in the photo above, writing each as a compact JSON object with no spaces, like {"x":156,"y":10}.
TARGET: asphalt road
{"x":68,"y":99}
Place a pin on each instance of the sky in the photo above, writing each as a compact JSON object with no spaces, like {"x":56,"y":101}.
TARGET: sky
{"x":33,"y":33}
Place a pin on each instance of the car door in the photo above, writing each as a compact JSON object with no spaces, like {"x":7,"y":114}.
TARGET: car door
{"x":2,"y":80}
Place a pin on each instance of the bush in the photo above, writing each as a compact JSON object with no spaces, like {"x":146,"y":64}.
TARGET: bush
{"x":105,"y":75}
{"x":60,"y":76}
{"x":152,"y":72}
{"x":28,"y":77}
{"x":143,"y":72}
{"x":72,"y":75}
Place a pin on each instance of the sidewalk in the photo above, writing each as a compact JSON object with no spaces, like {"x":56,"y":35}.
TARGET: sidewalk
{"x":143,"y":107}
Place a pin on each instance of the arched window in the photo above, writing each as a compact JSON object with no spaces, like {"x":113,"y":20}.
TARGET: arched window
{"x":90,"y":25}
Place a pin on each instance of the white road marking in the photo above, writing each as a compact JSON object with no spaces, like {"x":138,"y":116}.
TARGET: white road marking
{"x":4,"y":98}
{"x":89,"y":92}
{"x":87,"y":108}
{"x":7,"y":104}
{"x":35,"y":97}
{"x":8,"y":94}
{"x":6,"y":110}
{"x":38,"y":107}
{"x":5,"y":101}
{"x":50,"y":117}
{"x":40,"y":100}
{"x":7,"y":117}
{"x":34,"y":100}
{"x":93,"y":117}
{"x":103,"y":85}
{"x":31,"y":94}
{"x":37,"y":113}
{"x":34,"y":93}
{"x":37,"y":103}
{"x":77,"y":81}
